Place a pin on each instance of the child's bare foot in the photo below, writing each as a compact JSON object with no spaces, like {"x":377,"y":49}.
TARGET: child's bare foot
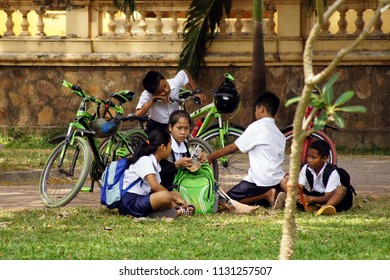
{"x":240,"y":208}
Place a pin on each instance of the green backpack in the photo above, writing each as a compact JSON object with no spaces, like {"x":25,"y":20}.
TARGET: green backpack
{"x":198,"y":188}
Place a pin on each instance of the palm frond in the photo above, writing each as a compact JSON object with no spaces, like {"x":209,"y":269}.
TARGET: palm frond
{"x":202,"y":20}
{"x":125,"y":5}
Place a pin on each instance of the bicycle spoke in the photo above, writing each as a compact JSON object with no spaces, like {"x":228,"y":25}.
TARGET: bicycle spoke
{"x":62,"y":178}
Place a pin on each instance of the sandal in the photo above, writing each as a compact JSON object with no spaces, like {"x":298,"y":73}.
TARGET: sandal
{"x":186,"y":211}
{"x":327,"y":210}
{"x":279,"y":201}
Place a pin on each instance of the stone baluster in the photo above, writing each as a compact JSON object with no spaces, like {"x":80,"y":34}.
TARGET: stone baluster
{"x":325,"y":29}
{"x":271,"y":21}
{"x":359,"y":22}
{"x":25,"y":24}
{"x":111,"y":24}
{"x":238,"y":24}
{"x":9,"y":24}
{"x":128,"y":25}
{"x":223,"y":26}
{"x":158,"y":24}
{"x":342,"y":23}
{"x":40,"y":23}
{"x":174,"y":24}
{"x":143,"y":24}
{"x":377,"y":27}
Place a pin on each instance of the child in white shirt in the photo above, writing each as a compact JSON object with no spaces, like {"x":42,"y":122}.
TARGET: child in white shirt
{"x":158,"y":88}
{"x":265,"y":145}
{"x":148,"y":195}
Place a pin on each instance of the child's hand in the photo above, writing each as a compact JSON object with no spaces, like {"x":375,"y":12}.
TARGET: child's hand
{"x":184,"y":162}
{"x":202,"y":157}
{"x":302,"y":199}
{"x":161,"y":98}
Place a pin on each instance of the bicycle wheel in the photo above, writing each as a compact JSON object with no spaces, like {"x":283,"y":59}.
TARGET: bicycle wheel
{"x":318,"y":135}
{"x":60,"y":182}
{"x":232,"y":168}
{"x":133,"y":140}
{"x":196,"y":145}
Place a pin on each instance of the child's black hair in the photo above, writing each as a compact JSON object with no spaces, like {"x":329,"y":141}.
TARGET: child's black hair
{"x":270,"y":101}
{"x":157,"y":138}
{"x":152,"y":80}
{"x":321,"y":146}
{"x":176,"y":115}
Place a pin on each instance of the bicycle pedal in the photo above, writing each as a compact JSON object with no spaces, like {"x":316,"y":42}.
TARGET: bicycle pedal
{"x":85,"y":189}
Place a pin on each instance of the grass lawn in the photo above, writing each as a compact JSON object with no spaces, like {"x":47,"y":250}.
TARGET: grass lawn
{"x":361,"y":233}
{"x":97,"y":233}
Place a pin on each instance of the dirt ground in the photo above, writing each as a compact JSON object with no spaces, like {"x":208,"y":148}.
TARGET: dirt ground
{"x":370,"y":175}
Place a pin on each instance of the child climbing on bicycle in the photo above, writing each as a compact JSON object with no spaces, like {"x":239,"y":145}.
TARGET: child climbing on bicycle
{"x":324,"y":199}
{"x":265,"y":144}
{"x":158,"y":88}
{"x":179,"y":127}
{"x":148,"y":197}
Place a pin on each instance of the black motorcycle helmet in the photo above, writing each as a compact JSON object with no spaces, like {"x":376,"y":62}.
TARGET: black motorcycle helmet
{"x":104,"y":128}
{"x":226,"y":98}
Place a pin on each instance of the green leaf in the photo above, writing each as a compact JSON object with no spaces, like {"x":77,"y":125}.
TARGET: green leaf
{"x":292,"y":101}
{"x":125,"y":5}
{"x":353,"y":109}
{"x":345,"y":97}
{"x":328,"y":90}
{"x":321,"y":121}
{"x":202,"y":20}
{"x":339,"y":120}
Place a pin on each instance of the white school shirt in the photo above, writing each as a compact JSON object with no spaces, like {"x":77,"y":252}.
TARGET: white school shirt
{"x":265,"y":144}
{"x":144,"y":166}
{"x":318,"y":185}
{"x":161,"y":111}
{"x":178,"y":148}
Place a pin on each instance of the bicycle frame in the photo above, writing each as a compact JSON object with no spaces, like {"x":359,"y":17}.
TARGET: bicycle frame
{"x":81,"y":127}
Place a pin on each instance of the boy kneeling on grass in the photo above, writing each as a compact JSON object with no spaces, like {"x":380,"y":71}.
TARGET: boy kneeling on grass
{"x":323,"y":199}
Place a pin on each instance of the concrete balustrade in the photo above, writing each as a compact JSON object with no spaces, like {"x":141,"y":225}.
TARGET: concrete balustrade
{"x":96,"y":27}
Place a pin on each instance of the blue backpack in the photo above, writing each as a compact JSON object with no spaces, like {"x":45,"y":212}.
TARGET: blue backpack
{"x":112,"y":188}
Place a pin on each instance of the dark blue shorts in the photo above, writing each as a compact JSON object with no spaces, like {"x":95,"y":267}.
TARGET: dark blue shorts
{"x":135,"y":205}
{"x":246,"y":189}
{"x":344,"y":204}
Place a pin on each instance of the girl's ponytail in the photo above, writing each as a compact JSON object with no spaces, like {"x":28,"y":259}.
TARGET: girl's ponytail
{"x":157,"y":138}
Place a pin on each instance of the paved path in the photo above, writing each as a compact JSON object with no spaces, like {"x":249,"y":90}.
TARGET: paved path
{"x":370,"y":176}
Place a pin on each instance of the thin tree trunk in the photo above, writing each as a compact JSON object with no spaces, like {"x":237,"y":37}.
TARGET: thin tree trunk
{"x":287,"y":244}
{"x":259,"y":83}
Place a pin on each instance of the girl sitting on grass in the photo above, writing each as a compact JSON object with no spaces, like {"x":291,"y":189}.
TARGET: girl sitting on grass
{"x":148,"y":197}
{"x":179,"y":125}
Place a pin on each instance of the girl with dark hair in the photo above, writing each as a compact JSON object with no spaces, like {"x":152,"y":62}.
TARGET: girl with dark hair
{"x":179,"y":126}
{"x":148,"y":197}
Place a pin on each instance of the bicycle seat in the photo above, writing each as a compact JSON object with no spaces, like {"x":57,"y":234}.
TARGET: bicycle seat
{"x":134,"y":117}
{"x":123,"y":96}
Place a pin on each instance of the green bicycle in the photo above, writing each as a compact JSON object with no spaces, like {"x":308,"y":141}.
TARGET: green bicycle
{"x":67,"y":168}
{"x":226,"y":100}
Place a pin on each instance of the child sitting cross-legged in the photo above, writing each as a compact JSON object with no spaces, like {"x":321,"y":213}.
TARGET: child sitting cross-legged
{"x":148,"y":197}
{"x":323,"y":199}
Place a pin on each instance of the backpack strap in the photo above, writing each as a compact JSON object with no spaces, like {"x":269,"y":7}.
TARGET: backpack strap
{"x":329,"y":168}
{"x":132,"y":185}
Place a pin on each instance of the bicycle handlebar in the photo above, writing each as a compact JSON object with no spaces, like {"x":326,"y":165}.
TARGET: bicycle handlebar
{"x":134,"y":117}
{"x":80,"y":92}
